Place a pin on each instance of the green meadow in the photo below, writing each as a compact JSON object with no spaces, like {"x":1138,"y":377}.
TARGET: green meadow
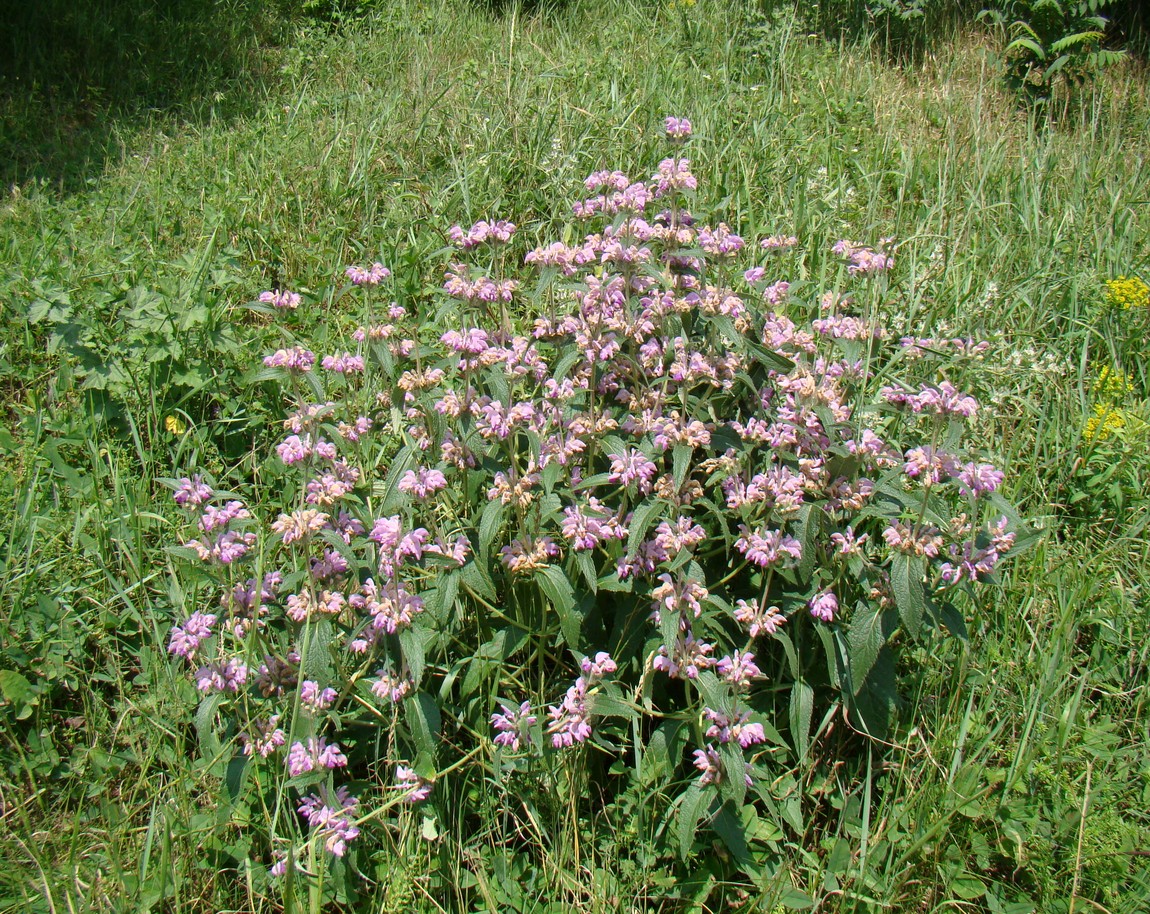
{"x":178,"y":168}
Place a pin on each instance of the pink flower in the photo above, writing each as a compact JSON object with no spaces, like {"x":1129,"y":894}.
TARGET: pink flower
{"x":512,"y":728}
{"x":422,"y":482}
{"x":757,"y":619}
{"x":739,"y":730}
{"x":633,"y":468}
{"x":720,"y":242}
{"x":778,"y":242}
{"x":186,"y":639}
{"x":597,"y":668}
{"x":768,"y":547}
{"x":331,"y":820}
{"x":316,"y":753}
{"x":192,"y":492}
{"x":569,"y":719}
{"x":688,"y":658}
{"x":498,"y":232}
{"x":418,"y":788}
{"x":978,"y":479}
{"x":372,"y":276}
{"x":739,"y":668}
{"x":710,"y":763}
{"x":391,"y":687}
{"x":344,"y":363}
{"x":678,"y":128}
{"x":264,"y":737}
{"x":299,"y":525}
{"x":823,"y":606}
{"x":215,"y":518}
{"x":281,"y":298}
{"x":296,"y":359}
{"x":313,"y":699}
{"x":294,"y":449}
{"x":776,"y":293}
{"x":674,"y":174}
{"x":224,"y":676}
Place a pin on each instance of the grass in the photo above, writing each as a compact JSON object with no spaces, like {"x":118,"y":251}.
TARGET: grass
{"x":1018,"y":781}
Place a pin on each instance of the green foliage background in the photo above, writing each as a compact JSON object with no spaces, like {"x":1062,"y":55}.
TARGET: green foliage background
{"x":182,"y":172}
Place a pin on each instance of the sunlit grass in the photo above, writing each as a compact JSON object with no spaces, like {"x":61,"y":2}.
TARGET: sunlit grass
{"x":1019,"y":775}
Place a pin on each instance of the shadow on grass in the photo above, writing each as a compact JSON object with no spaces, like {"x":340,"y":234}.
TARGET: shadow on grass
{"x":72,"y":71}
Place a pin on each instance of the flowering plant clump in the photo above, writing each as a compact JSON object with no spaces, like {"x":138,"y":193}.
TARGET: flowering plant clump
{"x":1128,"y":292}
{"x":680,"y":507}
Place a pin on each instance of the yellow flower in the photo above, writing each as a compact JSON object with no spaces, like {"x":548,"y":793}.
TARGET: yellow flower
{"x":1128,"y":292}
{"x":1106,"y":421}
{"x":174,"y":426}
{"x":1112,"y":384}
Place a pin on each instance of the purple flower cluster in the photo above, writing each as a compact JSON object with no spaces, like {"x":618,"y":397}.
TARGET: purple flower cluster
{"x":193,"y":492}
{"x":315,"y":753}
{"x":264,"y":738}
{"x":864,"y":261}
{"x":513,"y":727}
{"x":228,"y":545}
{"x":498,"y":232}
{"x":281,"y":299}
{"x":677,"y":128}
{"x":684,"y":446}
{"x":330,"y":818}
{"x":186,"y":639}
{"x":223,"y":676}
{"x":296,"y":359}
{"x":417,"y":789}
{"x":571,"y":718}
{"x":368,"y":276}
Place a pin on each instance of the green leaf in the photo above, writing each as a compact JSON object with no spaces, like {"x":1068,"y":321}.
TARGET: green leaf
{"x":490,"y":522}
{"x":586,"y":567}
{"x":593,"y":482}
{"x":729,"y":827}
{"x":906,"y":577}
{"x":810,"y":523}
{"x":603,"y":705}
{"x":716,"y":693}
{"x":866,"y":638}
{"x":669,"y":627}
{"x":18,"y":692}
{"x":557,"y":589}
{"x":388,"y":488}
{"x":205,"y":725}
{"x":875,"y":701}
{"x":691,"y":810}
{"x":801,"y":709}
{"x":681,"y":464}
{"x":953,"y":620}
{"x":733,"y":786}
{"x":424,"y":722}
{"x":645,"y":515}
{"x":789,"y":649}
{"x":663,"y":751}
{"x":475,"y":576}
{"x":317,"y":656}
{"x":1074,"y":42}
{"x":1027,"y":44}
{"x":412,"y":642}
{"x":795,"y":900}
{"x":967,"y":887}
{"x":236,"y":776}
{"x":444,"y":595}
